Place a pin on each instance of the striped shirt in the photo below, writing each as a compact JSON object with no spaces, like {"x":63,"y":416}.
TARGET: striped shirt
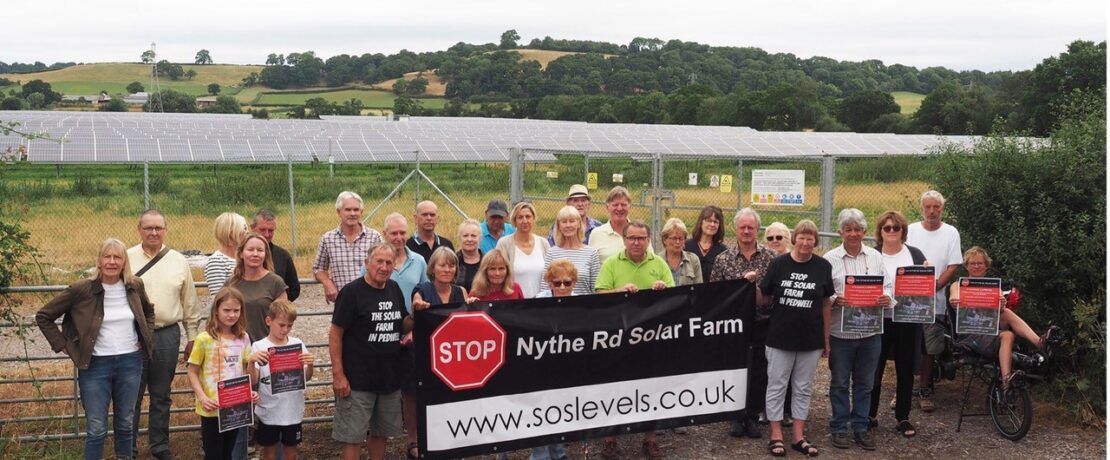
{"x":343,"y":260}
{"x":218,"y":270}
{"x":585,"y":259}
{"x":867,"y":262}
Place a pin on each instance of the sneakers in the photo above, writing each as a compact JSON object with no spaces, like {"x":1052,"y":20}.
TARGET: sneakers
{"x":610,"y":450}
{"x":651,"y":450}
{"x":840,"y":440}
{"x":925,"y":401}
{"x":865,"y":440}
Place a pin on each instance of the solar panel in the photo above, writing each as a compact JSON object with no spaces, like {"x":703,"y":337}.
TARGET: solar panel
{"x":88,"y":137}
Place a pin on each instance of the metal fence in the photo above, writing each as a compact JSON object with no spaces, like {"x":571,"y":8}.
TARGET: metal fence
{"x":79,"y":205}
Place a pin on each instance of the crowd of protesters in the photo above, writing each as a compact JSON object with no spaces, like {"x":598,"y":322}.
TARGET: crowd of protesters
{"x":122,"y":327}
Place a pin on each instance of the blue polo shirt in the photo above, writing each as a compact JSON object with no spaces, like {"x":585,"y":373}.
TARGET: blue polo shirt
{"x":488,"y":241}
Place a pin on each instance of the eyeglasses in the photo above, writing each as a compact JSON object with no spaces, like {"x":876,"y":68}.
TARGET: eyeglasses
{"x":775,"y":237}
{"x":675,"y":238}
{"x":892,"y":228}
{"x":636,"y":239}
{"x":562,"y":283}
{"x":153,"y":229}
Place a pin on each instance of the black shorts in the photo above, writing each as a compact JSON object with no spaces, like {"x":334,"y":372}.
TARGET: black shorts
{"x":288,"y":435}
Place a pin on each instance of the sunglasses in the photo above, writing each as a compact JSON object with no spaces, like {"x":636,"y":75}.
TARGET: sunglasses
{"x":562,"y":283}
{"x":892,"y":228}
{"x":775,"y":238}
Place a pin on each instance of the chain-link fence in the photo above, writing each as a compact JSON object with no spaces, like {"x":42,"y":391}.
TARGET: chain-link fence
{"x":69,"y":209}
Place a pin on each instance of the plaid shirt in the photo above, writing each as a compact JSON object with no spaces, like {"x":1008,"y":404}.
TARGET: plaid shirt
{"x":342,"y":260}
{"x":730,"y":265}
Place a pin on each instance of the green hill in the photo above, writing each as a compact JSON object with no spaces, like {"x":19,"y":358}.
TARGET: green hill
{"x":114,"y":77}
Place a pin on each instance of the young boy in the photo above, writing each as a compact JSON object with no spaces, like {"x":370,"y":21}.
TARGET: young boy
{"x":279,"y":415}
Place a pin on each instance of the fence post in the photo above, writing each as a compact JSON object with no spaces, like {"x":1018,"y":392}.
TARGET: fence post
{"x":657,"y":194}
{"x":828,"y":186}
{"x":146,"y":184}
{"x":739,"y":184}
{"x":585,"y":168}
{"x":292,"y":210}
{"x":416,"y":198}
{"x":516,"y":173}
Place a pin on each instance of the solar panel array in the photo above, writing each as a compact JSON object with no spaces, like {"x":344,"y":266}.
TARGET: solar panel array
{"x":95,"y":137}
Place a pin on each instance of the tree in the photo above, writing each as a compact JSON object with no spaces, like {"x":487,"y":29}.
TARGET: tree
{"x":176,"y":102}
{"x":225,"y":104}
{"x":1082,"y":67}
{"x":508,"y":39}
{"x":43,"y":88}
{"x":320,"y":106}
{"x":148,"y":56}
{"x":116,"y":104}
{"x":213,"y":88}
{"x":400,"y":86}
{"x":203,"y":57}
{"x":11,"y":103}
{"x":275,"y":59}
{"x":250,"y":80}
{"x":190,"y":74}
{"x":135,"y":87}
{"x":417,"y":86}
{"x":860,"y":110}
{"x":168,"y":69}
{"x":404,"y":105}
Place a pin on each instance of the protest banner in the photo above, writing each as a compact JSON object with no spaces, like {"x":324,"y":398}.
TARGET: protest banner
{"x":234,"y":396}
{"x":979,"y":308}
{"x":861,"y":312}
{"x":915,"y":294}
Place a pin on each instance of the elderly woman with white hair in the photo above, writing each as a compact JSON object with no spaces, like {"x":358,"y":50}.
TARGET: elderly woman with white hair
{"x":685,"y":265}
{"x":778,"y":237}
{"x":853,"y":356}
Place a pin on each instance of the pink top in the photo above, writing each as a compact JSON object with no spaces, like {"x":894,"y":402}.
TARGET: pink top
{"x":500,"y":295}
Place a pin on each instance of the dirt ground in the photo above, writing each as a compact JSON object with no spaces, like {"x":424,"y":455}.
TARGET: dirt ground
{"x":1055,"y":434}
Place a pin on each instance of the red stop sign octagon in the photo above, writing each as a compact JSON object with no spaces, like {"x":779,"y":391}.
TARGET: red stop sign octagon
{"x":467,"y":350}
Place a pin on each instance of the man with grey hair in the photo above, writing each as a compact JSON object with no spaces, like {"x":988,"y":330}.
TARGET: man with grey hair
{"x":169,"y":284}
{"x":940,"y":243}
{"x":341,"y":251}
{"x":265,"y":223}
{"x":425,"y":241}
{"x":749,"y":260}
{"x":853,"y":356}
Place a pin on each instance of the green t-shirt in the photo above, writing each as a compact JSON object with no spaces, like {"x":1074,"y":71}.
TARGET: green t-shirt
{"x":619,"y":270}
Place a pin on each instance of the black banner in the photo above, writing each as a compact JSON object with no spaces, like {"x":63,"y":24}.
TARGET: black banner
{"x":495,"y":377}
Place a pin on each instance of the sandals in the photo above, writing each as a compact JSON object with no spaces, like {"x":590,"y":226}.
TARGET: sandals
{"x":776,"y":448}
{"x":906,"y":428}
{"x":805,"y":448}
{"x":410,"y":449}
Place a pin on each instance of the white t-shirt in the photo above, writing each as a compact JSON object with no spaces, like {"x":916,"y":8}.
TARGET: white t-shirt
{"x":117,"y":334}
{"x":941,"y":248}
{"x":528,"y":270}
{"x":892,"y":262}
{"x":283,"y":409}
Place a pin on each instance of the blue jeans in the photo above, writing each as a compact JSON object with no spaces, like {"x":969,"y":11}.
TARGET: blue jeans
{"x":854,"y":361}
{"x":115,"y":380}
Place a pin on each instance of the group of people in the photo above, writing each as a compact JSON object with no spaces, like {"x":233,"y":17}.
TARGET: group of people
{"x":122,"y":328}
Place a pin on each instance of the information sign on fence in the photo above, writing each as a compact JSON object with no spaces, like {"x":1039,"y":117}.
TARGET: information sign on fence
{"x":778,"y":187}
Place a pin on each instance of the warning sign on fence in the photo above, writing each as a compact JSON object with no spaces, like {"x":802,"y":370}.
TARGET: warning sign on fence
{"x":778,"y":187}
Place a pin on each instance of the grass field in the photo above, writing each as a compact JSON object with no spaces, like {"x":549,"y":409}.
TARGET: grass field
{"x":909,"y":102}
{"x":436,"y":86}
{"x":371,"y":98}
{"x":106,"y":198}
{"x":114,"y":77}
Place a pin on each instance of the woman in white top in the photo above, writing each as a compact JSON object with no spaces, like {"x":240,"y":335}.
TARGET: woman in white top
{"x":107,"y":331}
{"x":525,"y":250}
{"x":569,"y":233}
{"x":230,"y":228}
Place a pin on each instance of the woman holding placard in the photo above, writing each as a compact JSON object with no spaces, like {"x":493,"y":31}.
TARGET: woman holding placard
{"x":899,"y":339}
{"x":977,"y":262}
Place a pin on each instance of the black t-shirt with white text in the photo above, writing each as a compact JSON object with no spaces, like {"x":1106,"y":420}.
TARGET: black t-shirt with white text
{"x":797,"y":291}
{"x":372,"y":321}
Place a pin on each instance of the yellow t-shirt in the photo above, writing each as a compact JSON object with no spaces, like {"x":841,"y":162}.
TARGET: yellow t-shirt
{"x":218,"y":360}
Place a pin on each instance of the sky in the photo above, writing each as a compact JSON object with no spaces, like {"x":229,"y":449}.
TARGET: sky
{"x":958,"y":34}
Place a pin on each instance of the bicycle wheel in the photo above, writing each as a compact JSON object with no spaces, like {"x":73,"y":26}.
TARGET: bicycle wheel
{"x":1011,"y":411}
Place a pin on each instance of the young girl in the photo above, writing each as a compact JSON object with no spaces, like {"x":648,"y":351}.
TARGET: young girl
{"x":221,"y":352}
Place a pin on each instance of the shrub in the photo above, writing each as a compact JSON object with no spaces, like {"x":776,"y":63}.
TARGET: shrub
{"x":1039,"y":208}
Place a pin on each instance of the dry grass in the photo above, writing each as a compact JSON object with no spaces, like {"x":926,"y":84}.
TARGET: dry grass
{"x":436,"y":85}
{"x":544,"y":57}
{"x":225,"y":75}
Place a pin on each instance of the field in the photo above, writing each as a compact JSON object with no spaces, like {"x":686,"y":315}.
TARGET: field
{"x":909,"y":102}
{"x":114,"y":77}
{"x":371,"y":98}
{"x":106,"y":198}
{"x":544,"y":57}
{"x":436,"y":86}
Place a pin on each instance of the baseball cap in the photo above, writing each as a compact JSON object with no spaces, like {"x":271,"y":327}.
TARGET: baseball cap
{"x":497,"y":208}
{"x":578,"y":190}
